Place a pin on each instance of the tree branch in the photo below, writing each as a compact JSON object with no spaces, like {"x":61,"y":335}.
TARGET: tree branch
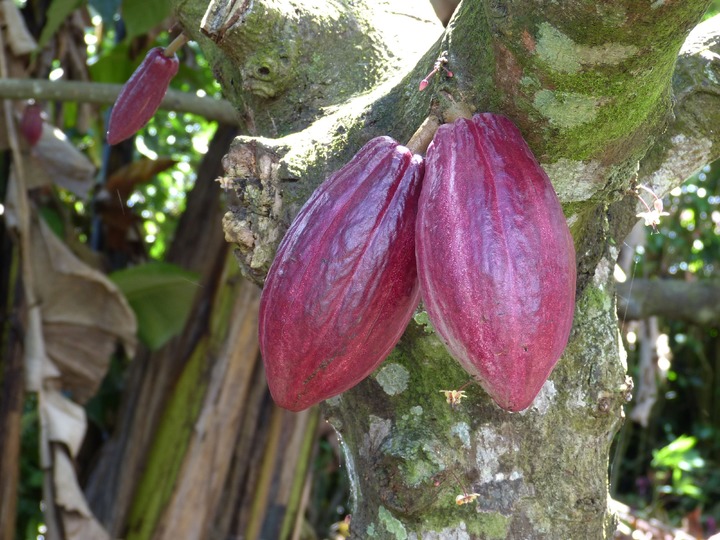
{"x":281,"y":62}
{"x":590,"y":99}
{"x":695,"y":302}
{"x":692,"y":139}
{"x":219,"y":110}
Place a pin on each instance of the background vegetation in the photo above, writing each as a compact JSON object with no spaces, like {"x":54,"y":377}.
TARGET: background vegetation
{"x":667,"y":469}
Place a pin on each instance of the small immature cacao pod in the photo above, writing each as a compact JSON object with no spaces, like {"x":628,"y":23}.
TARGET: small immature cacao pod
{"x":31,"y":124}
{"x":496,"y":260}
{"x":141,"y":95}
{"x":343,"y":284}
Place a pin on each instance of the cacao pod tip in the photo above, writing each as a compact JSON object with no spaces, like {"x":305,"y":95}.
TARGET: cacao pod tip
{"x":292,"y":405}
{"x":113,"y":138}
{"x":513,"y":405}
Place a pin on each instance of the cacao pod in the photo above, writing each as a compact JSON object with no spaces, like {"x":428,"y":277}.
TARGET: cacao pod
{"x":496,"y":260}
{"x":141,"y":95}
{"x":343,"y":284}
{"x":31,"y":123}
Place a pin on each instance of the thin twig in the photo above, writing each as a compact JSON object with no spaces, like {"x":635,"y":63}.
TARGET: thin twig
{"x":210,"y":108}
{"x":422,"y":137}
{"x":176,"y":44}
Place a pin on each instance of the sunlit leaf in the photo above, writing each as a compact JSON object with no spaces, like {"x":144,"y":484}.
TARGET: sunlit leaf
{"x":143,"y":15}
{"x":161,"y":295}
{"x":672,"y":454}
{"x":106,"y":9}
{"x":114,"y":66}
{"x":53,"y":220}
{"x":56,"y":14}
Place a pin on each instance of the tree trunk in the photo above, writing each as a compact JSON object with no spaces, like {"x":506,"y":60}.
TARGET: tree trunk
{"x":12,"y":383}
{"x":113,"y":481}
{"x":589,"y":85}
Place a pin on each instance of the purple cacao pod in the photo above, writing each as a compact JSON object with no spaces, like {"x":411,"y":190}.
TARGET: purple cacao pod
{"x":496,"y":260}
{"x":141,"y":95}
{"x":343,"y":284}
{"x":31,"y":123}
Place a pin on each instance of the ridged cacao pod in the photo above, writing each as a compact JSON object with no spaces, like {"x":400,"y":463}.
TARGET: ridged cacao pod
{"x":496,"y":260}
{"x":141,"y":95}
{"x":31,"y":123}
{"x":343,"y":284}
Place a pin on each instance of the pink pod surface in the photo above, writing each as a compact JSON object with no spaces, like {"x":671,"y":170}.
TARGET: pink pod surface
{"x":496,"y":260}
{"x":343,"y":285}
{"x":141,"y":95}
{"x":31,"y":124}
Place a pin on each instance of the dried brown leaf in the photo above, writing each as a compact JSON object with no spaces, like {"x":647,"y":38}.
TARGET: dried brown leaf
{"x":56,"y":160}
{"x":79,"y":527}
{"x":121,"y":184}
{"x":84,"y":314}
{"x":18,"y":37}
{"x":65,"y":420}
{"x":78,"y":521}
{"x":73,"y":349}
{"x":68,"y":494}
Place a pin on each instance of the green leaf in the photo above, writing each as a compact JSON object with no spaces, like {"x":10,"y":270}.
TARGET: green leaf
{"x":691,"y":491}
{"x":114,"y":66}
{"x":675,"y":452}
{"x":682,"y":444}
{"x":140,"y":16}
{"x":54,"y":220}
{"x":58,"y":12}
{"x":161,"y":295}
{"x":106,"y":9}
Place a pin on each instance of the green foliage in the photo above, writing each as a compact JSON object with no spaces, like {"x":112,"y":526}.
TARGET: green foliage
{"x":687,"y":243}
{"x":114,"y":65}
{"x":161,"y":295}
{"x":29,"y":514}
{"x":683,"y":435}
{"x":330,"y":489}
{"x":57,"y":13}
{"x":161,"y":202}
{"x":141,"y":16}
{"x":106,"y":9}
{"x":682,"y":463}
{"x":713,"y":10}
{"x":102,"y":407}
{"x":54,"y":220}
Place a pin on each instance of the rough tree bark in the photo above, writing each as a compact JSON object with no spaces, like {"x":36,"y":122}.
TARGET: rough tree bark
{"x":589,"y":84}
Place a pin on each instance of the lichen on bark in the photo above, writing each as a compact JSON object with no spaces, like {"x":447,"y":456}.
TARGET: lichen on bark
{"x":416,"y":453}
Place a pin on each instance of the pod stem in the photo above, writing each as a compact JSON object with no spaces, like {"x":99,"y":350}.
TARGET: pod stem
{"x":176,"y":44}
{"x":420,"y":140}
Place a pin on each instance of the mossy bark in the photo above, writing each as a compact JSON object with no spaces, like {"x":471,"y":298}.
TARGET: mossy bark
{"x":541,"y":473}
{"x":590,"y":87}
